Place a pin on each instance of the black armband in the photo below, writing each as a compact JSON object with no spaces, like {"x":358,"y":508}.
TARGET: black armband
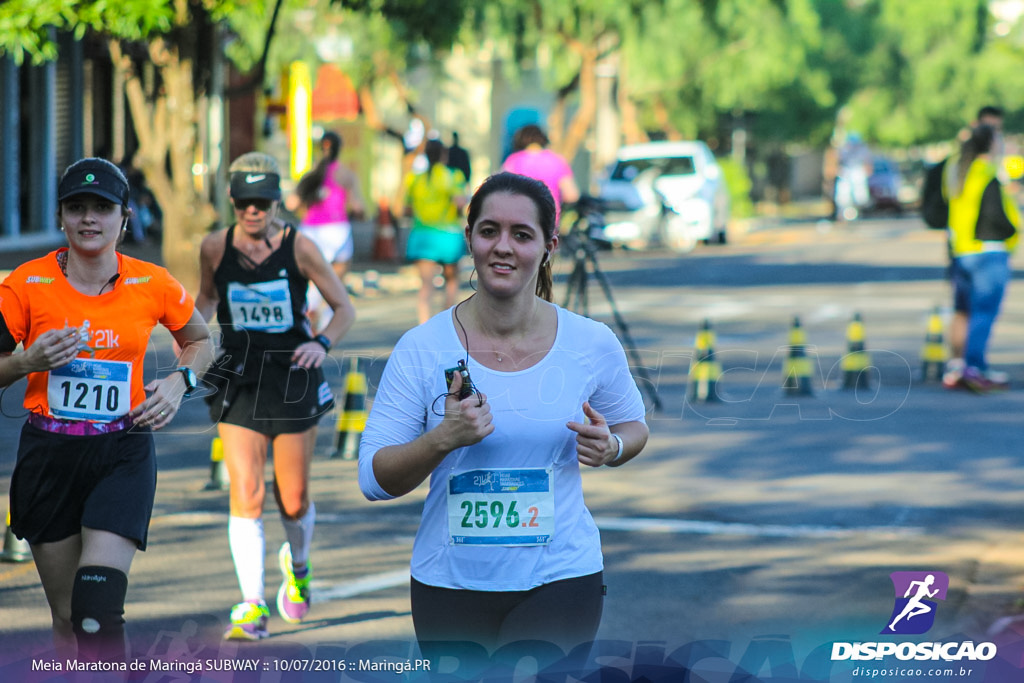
{"x":7,"y":341}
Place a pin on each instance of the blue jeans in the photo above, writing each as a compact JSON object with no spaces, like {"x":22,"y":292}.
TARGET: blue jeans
{"x":987,"y":275}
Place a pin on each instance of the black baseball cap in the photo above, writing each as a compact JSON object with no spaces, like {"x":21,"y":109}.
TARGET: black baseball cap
{"x":255,"y":185}
{"x":94,"y":176}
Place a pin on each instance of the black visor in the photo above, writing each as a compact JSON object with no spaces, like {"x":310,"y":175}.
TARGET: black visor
{"x":253,"y":185}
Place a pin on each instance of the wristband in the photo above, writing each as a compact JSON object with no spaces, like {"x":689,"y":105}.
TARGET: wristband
{"x":190,"y":379}
{"x":323,"y":341}
{"x":619,"y":453}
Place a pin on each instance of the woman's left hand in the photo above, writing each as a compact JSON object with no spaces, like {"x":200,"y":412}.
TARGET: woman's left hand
{"x":309,"y":355}
{"x":161,"y":406}
{"x":595,"y":445}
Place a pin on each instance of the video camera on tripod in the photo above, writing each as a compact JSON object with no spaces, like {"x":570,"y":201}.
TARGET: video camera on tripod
{"x":587,"y":226}
{"x":583,"y":240}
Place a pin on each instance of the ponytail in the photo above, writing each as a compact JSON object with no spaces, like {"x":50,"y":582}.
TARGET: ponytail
{"x":308,"y":189}
{"x":545,"y":283}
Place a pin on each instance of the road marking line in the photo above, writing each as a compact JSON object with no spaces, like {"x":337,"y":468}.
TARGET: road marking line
{"x":400,"y":577}
{"x":652,"y":524}
{"x":683,"y":526}
{"x":191,"y":518}
{"x":369,"y":584}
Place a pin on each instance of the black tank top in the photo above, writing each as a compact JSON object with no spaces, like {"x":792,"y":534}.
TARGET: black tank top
{"x":262,"y":306}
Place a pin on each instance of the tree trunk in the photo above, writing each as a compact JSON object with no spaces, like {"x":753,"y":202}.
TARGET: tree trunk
{"x":664,"y":120}
{"x":582,"y":121}
{"x":632,"y":132}
{"x":166,"y":129}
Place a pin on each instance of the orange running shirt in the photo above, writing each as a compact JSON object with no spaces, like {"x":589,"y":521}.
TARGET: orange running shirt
{"x":105,"y":380}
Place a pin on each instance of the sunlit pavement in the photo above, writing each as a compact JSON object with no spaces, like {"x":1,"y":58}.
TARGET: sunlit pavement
{"x":758,"y":515}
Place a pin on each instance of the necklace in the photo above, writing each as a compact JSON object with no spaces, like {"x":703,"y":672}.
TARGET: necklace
{"x":513,"y":346}
{"x":250,"y":252}
{"x":62,"y":261}
{"x":499,"y":356}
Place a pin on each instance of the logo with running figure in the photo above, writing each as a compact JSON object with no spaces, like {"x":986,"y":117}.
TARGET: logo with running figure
{"x":916,"y":592}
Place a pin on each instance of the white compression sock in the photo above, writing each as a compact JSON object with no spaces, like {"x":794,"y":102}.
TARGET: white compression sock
{"x":299,"y":533}
{"x":248,"y":547}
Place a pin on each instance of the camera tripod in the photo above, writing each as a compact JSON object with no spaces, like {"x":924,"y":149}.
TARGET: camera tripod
{"x":581,"y":244}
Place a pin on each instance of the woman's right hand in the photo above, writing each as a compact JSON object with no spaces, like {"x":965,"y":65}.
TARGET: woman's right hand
{"x":468,"y":421}
{"x":53,"y":349}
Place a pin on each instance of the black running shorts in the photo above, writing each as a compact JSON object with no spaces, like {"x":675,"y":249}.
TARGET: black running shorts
{"x":285,"y":399}
{"x":62,"y":483}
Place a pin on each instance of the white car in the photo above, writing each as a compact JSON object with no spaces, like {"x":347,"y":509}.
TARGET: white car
{"x":665,"y":193}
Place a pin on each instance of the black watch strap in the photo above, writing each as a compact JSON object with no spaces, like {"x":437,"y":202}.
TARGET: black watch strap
{"x":190,"y":379}
{"x":323,"y":341}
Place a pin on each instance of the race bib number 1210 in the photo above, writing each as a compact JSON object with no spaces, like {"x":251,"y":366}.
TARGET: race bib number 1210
{"x":88,"y":389}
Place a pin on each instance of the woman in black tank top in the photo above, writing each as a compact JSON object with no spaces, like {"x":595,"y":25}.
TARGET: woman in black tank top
{"x":269,"y":376}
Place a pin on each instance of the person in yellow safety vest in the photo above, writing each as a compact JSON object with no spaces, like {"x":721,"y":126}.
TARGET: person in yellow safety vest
{"x":993,"y":116}
{"x":984,"y":227}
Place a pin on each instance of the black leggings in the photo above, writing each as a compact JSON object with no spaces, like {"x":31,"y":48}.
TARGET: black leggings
{"x":565,"y":613}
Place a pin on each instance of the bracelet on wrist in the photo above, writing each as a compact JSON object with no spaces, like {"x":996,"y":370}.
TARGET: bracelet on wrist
{"x":323,"y":341}
{"x":618,"y":454}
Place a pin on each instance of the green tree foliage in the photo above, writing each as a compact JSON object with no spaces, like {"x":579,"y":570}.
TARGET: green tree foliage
{"x":25,"y":25}
{"x":175,"y":37}
{"x":434,"y":22}
{"x":916,"y":71}
{"x":703,"y":61}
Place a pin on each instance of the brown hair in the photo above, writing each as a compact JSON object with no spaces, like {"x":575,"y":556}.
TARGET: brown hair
{"x":529,"y":134}
{"x":308,"y":187}
{"x":979,"y":143}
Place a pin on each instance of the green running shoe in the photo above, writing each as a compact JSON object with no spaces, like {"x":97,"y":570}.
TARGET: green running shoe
{"x":294,"y":596}
{"x":248,"y":621}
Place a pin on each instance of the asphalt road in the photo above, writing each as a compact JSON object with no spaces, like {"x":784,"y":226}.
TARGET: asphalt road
{"x":752,"y":533}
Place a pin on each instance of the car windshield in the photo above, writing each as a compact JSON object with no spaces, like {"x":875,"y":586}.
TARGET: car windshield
{"x":629,"y":169}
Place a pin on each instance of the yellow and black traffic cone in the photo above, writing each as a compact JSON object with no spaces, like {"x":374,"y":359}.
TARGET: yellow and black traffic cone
{"x":352,"y":419}
{"x":218,"y":469}
{"x":796,"y":368}
{"x":704,"y":368}
{"x":933,"y":353}
{"x":857,"y":360}
{"x":15,"y":549}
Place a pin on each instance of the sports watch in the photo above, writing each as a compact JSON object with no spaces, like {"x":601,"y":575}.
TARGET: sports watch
{"x":323,"y":341}
{"x":190,"y":379}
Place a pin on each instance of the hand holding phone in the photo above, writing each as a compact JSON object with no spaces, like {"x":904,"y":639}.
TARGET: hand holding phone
{"x":466,"y":389}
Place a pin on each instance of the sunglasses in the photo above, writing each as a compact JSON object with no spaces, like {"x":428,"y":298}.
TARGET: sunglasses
{"x":258,"y":204}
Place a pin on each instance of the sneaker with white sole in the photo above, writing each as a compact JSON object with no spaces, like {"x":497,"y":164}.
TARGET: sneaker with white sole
{"x":293,"y":598}
{"x":248,"y":621}
{"x":985,"y":381}
{"x":953,"y":377}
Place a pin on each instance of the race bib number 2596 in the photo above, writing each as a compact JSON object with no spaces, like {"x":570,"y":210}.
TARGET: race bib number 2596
{"x":512,"y":507}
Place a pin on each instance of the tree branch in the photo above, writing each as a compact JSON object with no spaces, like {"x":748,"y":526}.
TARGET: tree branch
{"x":255,"y":81}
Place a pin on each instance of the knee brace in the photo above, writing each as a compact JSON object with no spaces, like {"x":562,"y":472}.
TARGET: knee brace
{"x":97,"y":611}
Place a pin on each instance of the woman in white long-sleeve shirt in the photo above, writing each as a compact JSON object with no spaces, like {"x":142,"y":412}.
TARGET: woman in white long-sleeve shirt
{"x":507,"y":550}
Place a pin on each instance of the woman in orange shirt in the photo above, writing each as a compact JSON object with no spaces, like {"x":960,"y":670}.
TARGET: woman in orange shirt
{"x":83,"y":486}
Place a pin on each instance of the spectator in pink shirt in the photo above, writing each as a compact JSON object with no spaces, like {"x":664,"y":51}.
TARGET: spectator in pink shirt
{"x":532,"y":158}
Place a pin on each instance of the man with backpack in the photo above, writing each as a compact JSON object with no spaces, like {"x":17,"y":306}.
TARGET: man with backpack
{"x":935,"y":195}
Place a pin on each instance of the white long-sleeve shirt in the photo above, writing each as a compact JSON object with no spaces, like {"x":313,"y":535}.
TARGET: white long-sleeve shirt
{"x":530,"y":410}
